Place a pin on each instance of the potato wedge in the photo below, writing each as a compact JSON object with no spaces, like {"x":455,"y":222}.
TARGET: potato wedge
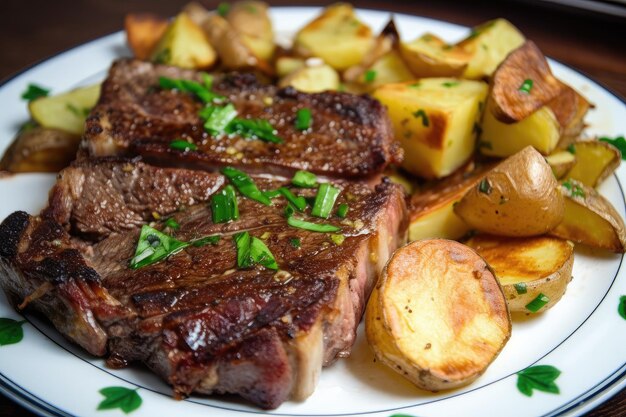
{"x":541,"y":130}
{"x":522,"y":84}
{"x":595,"y":161}
{"x":250,"y":18}
{"x":488,"y":45}
{"x":337,"y":36}
{"x":143,"y":32}
{"x":431,"y":211}
{"x":184,"y":45}
{"x":437,"y":315}
{"x":434,"y":120}
{"x":561,"y":162}
{"x":40,"y":149}
{"x":519,"y":197}
{"x":533,"y":271}
{"x":430,"y":56}
{"x":569,"y":108}
{"x":387,"y":41}
{"x":66,"y":111}
{"x":590,"y":219}
{"x":390,"y":68}
{"x":312,"y":79}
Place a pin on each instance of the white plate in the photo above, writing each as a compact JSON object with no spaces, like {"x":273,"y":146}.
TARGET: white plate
{"x":583,"y":336}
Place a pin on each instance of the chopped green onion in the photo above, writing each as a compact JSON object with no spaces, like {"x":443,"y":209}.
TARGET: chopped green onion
{"x":574,"y":188}
{"x":34,"y":91}
{"x":313,"y":227}
{"x":304,"y":179}
{"x":520,"y":288}
{"x":571,"y":149}
{"x":421,"y":114}
{"x":245,"y":185}
{"x":538,"y":303}
{"x":342,"y":210}
{"x":81,"y":113}
{"x":526,"y":86}
{"x":172,"y":224}
{"x":252,"y":251}
{"x":289,"y":210}
{"x":619,"y":142}
{"x":154,"y":246}
{"x":370,"y":76}
{"x":207,"y":79}
{"x":216,"y":118}
{"x":449,"y":84}
{"x":224,"y":205}
{"x":298,"y":201}
{"x":183,"y":145}
{"x":415,"y":85}
{"x":207,"y":240}
{"x":164,"y":56}
{"x":191,"y":87}
{"x":223,"y":9}
{"x":253,"y":129}
{"x":303,"y":119}
{"x":484,"y":186}
{"x":271,"y":193}
{"x":325,"y":200}
{"x":337,"y":239}
{"x":295,"y":242}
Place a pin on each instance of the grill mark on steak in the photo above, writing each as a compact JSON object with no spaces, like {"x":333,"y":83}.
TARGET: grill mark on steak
{"x":194,"y":318}
{"x":350,"y":135}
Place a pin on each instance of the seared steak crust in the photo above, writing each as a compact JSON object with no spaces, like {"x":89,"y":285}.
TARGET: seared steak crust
{"x":350,"y":136}
{"x":195,"y":318}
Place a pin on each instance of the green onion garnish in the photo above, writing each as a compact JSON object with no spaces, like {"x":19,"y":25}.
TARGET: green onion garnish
{"x":298,"y":201}
{"x":484,"y":186}
{"x":313,"y":227}
{"x":252,"y":251}
{"x":520,"y":288}
{"x":154,"y":246}
{"x":295,"y":242}
{"x":216,"y":118}
{"x":342,"y":210}
{"x":34,"y":91}
{"x":207,"y":240}
{"x":207,"y":79}
{"x":304,"y":179}
{"x":245,"y":185}
{"x":325,"y":200}
{"x":191,"y":87}
{"x":536,"y":304}
{"x":370,"y":76}
{"x":183,"y":145}
{"x":526,"y":86}
{"x":571,"y":149}
{"x":574,"y":188}
{"x":271,"y":193}
{"x":449,"y":84}
{"x":223,"y":9}
{"x":172,"y":224}
{"x":421,"y":114}
{"x":224,"y":205}
{"x":619,"y":142}
{"x":253,"y":129}
{"x":337,"y":239}
{"x":303,"y":119}
{"x":289,"y":210}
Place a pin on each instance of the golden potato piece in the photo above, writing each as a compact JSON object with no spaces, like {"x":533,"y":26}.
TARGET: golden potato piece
{"x":312,"y":79}
{"x":143,"y":32}
{"x":569,"y":108}
{"x":561,"y":162}
{"x":590,"y":219}
{"x":184,"y":45}
{"x":40,"y":149}
{"x":595,"y":161}
{"x":250,"y":18}
{"x":488,"y":45}
{"x":285,"y":65}
{"x":437,"y":315}
{"x":519,"y":197}
{"x":522,"y":84}
{"x":337,"y":36}
{"x":66,"y":111}
{"x":533,"y":271}
{"x":430,"y":56}
{"x":435,"y":121}
{"x":387,"y":41}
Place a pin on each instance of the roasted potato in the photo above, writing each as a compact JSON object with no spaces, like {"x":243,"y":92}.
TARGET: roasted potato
{"x":250,"y":18}
{"x":595,"y":161}
{"x":40,"y":149}
{"x":435,"y":121}
{"x":388,"y":40}
{"x":430,"y":56}
{"x":143,"y":32}
{"x":337,"y":36}
{"x":437,"y":315}
{"x":561,"y":162}
{"x":533,"y":271}
{"x":590,"y":219}
{"x":519,"y":197}
{"x":184,"y":45}
{"x":522,"y":84}
{"x":488,"y":45}
{"x":431,"y":213}
{"x":67,"y":111}
{"x":312,"y":79}
{"x":569,"y":108}
{"x":285,"y":65}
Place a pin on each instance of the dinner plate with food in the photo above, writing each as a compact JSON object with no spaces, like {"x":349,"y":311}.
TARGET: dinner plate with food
{"x":310,"y":212}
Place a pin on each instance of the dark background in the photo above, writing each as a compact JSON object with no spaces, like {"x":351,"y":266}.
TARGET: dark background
{"x":591,"y":43}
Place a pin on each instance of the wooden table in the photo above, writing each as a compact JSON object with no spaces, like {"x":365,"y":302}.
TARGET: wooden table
{"x":592,"y":44}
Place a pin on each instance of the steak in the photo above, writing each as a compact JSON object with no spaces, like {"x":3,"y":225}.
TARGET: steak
{"x":197,"y":319}
{"x":350,"y":136}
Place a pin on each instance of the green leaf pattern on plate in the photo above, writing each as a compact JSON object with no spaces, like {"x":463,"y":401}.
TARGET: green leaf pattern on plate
{"x":125,"y":399}
{"x":11,"y":331}
{"x":540,"y":377}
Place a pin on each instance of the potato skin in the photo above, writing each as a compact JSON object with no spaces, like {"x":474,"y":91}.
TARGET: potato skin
{"x":519,"y":197}
{"x":437,"y":315}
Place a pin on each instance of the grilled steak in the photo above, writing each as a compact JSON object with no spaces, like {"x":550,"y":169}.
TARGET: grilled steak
{"x":350,"y":136}
{"x":198,"y":320}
